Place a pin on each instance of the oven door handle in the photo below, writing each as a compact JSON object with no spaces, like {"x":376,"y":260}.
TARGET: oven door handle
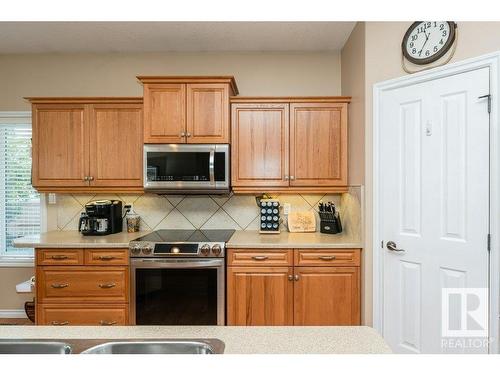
{"x":211,"y":166}
{"x":173,"y":263}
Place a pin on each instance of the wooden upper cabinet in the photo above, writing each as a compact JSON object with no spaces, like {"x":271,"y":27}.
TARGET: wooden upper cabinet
{"x":116,"y":145}
{"x":318,"y":144}
{"x":259,"y":145}
{"x":164,"y":113}
{"x":60,"y":145}
{"x":326,"y":296}
{"x":87,"y":144}
{"x":259,"y":296}
{"x":187,"y":109}
{"x":207,"y":113}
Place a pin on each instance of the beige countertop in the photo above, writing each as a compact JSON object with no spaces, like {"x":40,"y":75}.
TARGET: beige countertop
{"x":253,"y":239}
{"x":73,"y":238}
{"x":238,"y":340}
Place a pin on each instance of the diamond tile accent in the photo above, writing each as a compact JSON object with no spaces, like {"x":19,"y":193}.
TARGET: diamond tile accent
{"x":83,"y":199}
{"x":152,"y":209}
{"x":221,"y":199}
{"x":129,"y":198}
{"x":175,"y":220}
{"x":221,"y":220}
{"x":175,"y":199}
{"x":67,"y":208}
{"x":312,"y":199}
{"x":197,"y":209}
{"x":296,"y":201}
{"x":242,"y":209}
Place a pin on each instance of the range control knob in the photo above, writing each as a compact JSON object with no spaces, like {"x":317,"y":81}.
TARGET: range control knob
{"x":216,"y":249}
{"x":147,"y":249}
{"x":135,"y":249}
{"x":205,"y":249}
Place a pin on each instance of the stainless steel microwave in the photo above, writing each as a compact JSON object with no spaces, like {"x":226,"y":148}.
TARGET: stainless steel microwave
{"x":187,"y":168}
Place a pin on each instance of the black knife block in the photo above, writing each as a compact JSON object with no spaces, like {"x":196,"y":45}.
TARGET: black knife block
{"x":330,"y":223}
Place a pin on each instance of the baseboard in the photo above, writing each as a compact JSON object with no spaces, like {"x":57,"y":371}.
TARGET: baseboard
{"x":13,"y":314}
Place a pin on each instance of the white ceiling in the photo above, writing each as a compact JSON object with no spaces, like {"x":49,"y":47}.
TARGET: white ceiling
{"x":50,"y":37}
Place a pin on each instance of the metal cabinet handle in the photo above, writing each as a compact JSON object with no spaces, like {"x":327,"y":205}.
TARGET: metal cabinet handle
{"x":327,"y":257}
{"x":91,"y":178}
{"x":292,"y":178}
{"x":59,"y":286}
{"x":259,"y":257}
{"x":106,"y":323}
{"x":391,"y":245}
{"x":296,"y":278}
{"x":183,"y":135}
{"x":107,"y":286}
{"x":56,"y":323}
{"x":286,"y":177}
{"x":188,"y":134}
{"x":290,"y":277}
{"x":106,"y":257}
{"x":59,"y":257}
{"x":86,"y":178}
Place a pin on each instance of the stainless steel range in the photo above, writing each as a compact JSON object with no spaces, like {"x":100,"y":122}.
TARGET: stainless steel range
{"x":177,"y":277}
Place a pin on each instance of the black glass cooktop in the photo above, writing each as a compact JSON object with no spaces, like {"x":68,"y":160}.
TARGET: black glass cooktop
{"x":177,"y":235}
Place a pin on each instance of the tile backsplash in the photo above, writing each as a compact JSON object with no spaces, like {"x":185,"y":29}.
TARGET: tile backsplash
{"x":202,"y":211}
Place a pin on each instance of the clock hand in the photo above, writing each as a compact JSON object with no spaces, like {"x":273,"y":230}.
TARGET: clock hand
{"x":426,"y":39}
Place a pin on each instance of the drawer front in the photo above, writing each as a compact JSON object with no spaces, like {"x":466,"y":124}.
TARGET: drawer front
{"x":67,"y":257}
{"x":82,"y":284}
{"x":327,"y":257}
{"x":82,"y":315}
{"x":256,"y":257}
{"x":98,"y":257}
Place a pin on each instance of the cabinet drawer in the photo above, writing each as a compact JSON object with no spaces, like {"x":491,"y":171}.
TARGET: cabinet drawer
{"x":256,"y":257}
{"x":99,"y":257}
{"x":49,"y":257}
{"x":82,"y":315}
{"x":82,"y":284}
{"x":327,"y":257}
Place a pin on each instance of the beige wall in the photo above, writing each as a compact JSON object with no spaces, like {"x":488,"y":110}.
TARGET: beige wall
{"x":383,"y":62}
{"x":114,"y":74}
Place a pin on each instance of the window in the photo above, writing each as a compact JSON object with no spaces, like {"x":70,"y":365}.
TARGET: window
{"x":20,"y":209}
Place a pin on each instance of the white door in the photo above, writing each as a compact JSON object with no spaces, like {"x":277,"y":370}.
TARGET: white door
{"x":434,"y":202}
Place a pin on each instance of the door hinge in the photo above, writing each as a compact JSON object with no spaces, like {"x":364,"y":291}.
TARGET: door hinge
{"x":489,"y":242}
{"x":489,"y":101}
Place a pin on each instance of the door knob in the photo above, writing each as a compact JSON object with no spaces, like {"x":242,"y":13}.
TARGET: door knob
{"x":391,"y":245}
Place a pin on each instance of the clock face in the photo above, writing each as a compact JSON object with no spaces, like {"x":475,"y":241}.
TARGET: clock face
{"x":427,"y":41}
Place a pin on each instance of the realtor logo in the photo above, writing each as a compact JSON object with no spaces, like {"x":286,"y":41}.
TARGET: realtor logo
{"x":464,"y":312}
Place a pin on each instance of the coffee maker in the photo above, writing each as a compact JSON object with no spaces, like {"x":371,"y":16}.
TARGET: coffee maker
{"x":101,"y":218}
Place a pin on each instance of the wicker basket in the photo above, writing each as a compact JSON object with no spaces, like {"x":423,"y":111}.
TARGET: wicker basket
{"x":29,"y":307}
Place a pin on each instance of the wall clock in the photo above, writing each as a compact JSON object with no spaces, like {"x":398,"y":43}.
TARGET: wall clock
{"x":428,"y":41}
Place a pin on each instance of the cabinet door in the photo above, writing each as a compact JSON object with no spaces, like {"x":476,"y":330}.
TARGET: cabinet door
{"x":259,"y":296}
{"x":318,"y":144}
{"x":326,"y":296}
{"x":60,"y":145}
{"x":207,"y":113}
{"x":164,"y":113}
{"x":116,"y":145}
{"x":259,"y":145}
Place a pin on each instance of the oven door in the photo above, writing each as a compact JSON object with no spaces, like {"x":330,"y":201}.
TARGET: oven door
{"x":186,"y":291}
{"x":186,"y":168}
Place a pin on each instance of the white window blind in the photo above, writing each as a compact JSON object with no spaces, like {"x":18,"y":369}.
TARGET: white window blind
{"x":19,"y":202}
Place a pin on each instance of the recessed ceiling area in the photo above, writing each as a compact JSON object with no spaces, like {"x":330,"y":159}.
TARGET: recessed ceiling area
{"x":102,"y":37}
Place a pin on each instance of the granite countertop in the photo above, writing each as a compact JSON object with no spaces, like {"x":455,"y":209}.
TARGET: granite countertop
{"x":253,"y":239}
{"x":240,"y":239}
{"x":73,"y":239}
{"x":238,"y":340}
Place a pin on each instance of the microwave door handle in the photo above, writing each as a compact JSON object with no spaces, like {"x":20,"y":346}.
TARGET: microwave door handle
{"x":211,"y":166}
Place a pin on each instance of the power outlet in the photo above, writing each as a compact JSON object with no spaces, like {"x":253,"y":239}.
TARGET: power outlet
{"x":52,"y":198}
{"x":286,"y":208}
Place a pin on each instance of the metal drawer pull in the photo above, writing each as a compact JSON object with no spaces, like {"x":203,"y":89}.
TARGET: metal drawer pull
{"x":59,"y":257}
{"x":296,"y":277}
{"x":327,"y":257}
{"x":59,"y":286}
{"x":259,"y":257}
{"x":106,"y":323}
{"x":107,"y":286}
{"x":290,"y":277}
{"x":56,"y":323}
{"x":106,"y":257}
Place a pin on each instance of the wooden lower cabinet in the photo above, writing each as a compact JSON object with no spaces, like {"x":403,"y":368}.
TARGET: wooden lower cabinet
{"x":316,"y":295}
{"x":259,"y":296}
{"x":82,"y":287}
{"x":326,"y":296}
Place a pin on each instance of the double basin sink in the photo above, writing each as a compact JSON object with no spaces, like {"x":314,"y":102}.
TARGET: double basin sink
{"x":205,"y":346}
